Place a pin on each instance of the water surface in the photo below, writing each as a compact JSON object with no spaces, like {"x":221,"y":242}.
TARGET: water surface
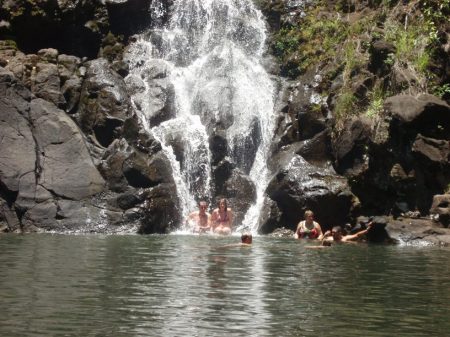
{"x":183,"y":285}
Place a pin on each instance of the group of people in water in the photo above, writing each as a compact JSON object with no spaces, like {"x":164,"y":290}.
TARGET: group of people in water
{"x":218,"y":222}
{"x":221,"y":219}
{"x":310,"y":229}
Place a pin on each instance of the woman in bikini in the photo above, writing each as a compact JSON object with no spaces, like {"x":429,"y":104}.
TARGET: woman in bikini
{"x":308,"y":229}
{"x":222,"y":218}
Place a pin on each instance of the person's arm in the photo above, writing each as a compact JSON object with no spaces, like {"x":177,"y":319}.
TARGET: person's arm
{"x":327,"y":236}
{"x":188,"y":219}
{"x":208,"y":222}
{"x":230,"y":218}
{"x":319,"y":230}
{"x":213,"y":219}
{"x":297,"y":230}
{"x":357,"y":236}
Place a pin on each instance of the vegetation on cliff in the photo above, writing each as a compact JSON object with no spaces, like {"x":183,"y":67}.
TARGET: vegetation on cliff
{"x":365,"y":51}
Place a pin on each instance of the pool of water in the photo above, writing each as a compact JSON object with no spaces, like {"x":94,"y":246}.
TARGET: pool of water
{"x":186,"y":285}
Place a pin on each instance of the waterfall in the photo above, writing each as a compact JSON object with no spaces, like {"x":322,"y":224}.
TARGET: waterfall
{"x":201,"y":73}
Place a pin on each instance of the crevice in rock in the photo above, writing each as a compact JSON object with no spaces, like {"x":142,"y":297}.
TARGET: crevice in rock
{"x":107,"y":132}
{"x":8,"y":195}
{"x":136,"y":179}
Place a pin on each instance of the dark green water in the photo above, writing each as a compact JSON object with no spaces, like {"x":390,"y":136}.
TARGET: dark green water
{"x":181,"y":285}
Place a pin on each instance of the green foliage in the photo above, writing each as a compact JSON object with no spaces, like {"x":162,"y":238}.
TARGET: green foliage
{"x":345,"y":105}
{"x":376,"y":103}
{"x":413,"y":49}
{"x":336,"y":38}
{"x":287,"y":40}
{"x":352,"y":60}
{"x":8,"y":44}
{"x":441,"y":90}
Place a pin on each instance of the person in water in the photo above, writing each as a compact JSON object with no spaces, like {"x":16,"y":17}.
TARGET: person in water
{"x":246,"y":238}
{"x":222,"y":218}
{"x":200,"y":220}
{"x":336,"y":234}
{"x":246,"y":241}
{"x":308,"y":228}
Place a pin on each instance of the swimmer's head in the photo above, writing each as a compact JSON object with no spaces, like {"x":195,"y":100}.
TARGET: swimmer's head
{"x":246,"y":238}
{"x":337,"y":233}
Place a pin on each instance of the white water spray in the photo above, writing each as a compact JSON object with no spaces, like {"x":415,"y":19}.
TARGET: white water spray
{"x":208,"y":57}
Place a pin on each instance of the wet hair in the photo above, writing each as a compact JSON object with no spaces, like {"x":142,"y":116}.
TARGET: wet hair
{"x":246,"y":236}
{"x":337,"y":229}
{"x":223,"y":200}
{"x":308,"y":213}
{"x":203,"y":203}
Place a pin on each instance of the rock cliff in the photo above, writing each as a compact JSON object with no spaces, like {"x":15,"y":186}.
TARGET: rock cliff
{"x":364,"y":124}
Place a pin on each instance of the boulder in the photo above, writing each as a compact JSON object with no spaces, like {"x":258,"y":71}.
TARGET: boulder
{"x":441,"y":208}
{"x":162,"y":213}
{"x":46,"y":83}
{"x":58,"y":139}
{"x":425,"y":114}
{"x":432,"y":151}
{"x":104,"y":102}
{"x":351,"y":146}
{"x":142,"y":171}
{"x":379,"y":53}
{"x":299,"y":186}
{"x":418,"y":232}
{"x":241,"y":194}
{"x":17,"y":148}
{"x":270,"y":218}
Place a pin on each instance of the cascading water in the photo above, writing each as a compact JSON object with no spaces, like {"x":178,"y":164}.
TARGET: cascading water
{"x":206,"y":62}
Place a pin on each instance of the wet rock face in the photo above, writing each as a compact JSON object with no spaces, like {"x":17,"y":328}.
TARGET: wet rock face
{"x":299,"y":186}
{"x":161,"y":213}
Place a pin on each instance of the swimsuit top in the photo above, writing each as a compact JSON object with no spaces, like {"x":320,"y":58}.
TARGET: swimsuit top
{"x":306,"y":233}
{"x":225,"y":219}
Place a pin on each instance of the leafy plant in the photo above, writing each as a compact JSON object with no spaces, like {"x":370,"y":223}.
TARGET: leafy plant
{"x":441,"y":90}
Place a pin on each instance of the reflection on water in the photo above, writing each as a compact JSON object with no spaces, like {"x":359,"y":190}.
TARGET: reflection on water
{"x":183,"y":285}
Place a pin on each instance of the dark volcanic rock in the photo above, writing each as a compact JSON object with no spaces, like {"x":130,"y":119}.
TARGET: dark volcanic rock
{"x":417,"y":232}
{"x":46,"y":167}
{"x":399,"y":160}
{"x":58,"y":139}
{"x":161,"y":213}
{"x":379,"y":52}
{"x":241,"y":192}
{"x":300,"y":186}
{"x":42,"y":24}
{"x":441,"y":207}
{"x":104,"y":102}
{"x":17,"y":147}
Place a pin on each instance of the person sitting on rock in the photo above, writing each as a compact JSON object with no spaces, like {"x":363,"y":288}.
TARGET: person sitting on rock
{"x":222,"y":218}
{"x":308,"y":228}
{"x":200,"y":220}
